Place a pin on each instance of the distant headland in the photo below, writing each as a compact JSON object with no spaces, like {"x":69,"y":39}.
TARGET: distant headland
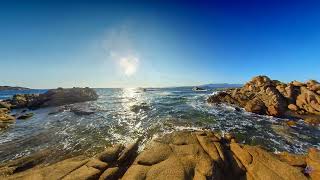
{"x":4,"y":88}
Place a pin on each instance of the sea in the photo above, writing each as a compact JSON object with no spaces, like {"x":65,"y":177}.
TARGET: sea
{"x":126,"y":114}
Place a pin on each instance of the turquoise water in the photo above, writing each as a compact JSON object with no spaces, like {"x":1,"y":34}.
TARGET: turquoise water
{"x":122,"y":115}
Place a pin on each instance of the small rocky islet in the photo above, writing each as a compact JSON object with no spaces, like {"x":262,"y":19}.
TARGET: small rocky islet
{"x":53,"y":97}
{"x":182,"y":154}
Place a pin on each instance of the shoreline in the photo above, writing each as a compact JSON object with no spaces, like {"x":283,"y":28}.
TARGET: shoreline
{"x":181,"y":154}
{"x":178,"y":155}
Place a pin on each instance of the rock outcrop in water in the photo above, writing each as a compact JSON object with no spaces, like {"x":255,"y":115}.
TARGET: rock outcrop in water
{"x":262,"y":95}
{"x":53,"y":97}
{"x":198,"y":89}
{"x":179,"y":155}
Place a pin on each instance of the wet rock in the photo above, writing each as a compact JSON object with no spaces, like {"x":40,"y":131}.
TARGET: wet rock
{"x":81,"y":112}
{"x":25,"y":116}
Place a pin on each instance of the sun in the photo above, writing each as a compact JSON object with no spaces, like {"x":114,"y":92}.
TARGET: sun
{"x":129,"y":65}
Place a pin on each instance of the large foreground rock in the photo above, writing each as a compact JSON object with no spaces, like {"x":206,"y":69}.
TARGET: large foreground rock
{"x":203,"y":155}
{"x":53,"y":97}
{"x":262,"y":95}
{"x":180,"y":155}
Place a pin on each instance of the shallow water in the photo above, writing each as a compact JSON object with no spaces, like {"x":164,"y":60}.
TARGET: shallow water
{"x":123,"y":115}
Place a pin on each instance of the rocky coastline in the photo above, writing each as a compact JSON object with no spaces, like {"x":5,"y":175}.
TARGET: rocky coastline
{"x":53,"y":97}
{"x":261,"y":95}
{"x":178,"y":155}
{"x":184,"y":154}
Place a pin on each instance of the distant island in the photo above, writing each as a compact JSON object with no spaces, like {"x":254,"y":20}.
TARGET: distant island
{"x":3,"y":88}
{"x":221,"y":85}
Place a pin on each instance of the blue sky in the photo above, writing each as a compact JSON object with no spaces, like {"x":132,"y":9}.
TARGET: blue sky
{"x":48,"y":44}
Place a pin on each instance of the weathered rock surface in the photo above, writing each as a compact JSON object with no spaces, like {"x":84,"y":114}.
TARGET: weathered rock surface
{"x":5,"y":105}
{"x":109,"y":164}
{"x":53,"y":97}
{"x":181,"y":155}
{"x":5,"y":116}
{"x":262,"y":95}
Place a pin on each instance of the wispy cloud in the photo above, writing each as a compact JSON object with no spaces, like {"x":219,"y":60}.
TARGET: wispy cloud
{"x":120,"y":47}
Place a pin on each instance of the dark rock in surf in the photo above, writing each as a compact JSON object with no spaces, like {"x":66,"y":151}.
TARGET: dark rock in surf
{"x":25,"y":116}
{"x":198,"y":89}
{"x":81,"y":112}
{"x":139,"y":107}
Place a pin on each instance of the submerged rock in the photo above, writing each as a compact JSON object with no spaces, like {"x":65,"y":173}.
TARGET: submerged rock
{"x":138,"y":107}
{"x":25,"y":116}
{"x":81,"y":111}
